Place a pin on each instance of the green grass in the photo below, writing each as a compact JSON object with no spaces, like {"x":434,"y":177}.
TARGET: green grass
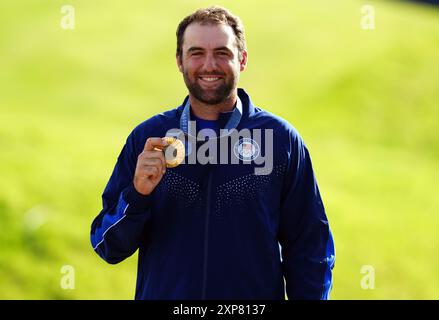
{"x":366,"y":103}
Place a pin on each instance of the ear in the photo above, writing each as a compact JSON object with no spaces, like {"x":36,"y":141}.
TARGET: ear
{"x":179,"y":63}
{"x":244,"y":60}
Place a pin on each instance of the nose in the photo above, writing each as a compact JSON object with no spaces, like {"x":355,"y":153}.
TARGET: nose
{"x":210,"y":63}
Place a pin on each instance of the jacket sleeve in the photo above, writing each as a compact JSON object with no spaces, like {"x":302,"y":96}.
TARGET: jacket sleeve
{"x":116,"y":231}
{"x":308,"y":253}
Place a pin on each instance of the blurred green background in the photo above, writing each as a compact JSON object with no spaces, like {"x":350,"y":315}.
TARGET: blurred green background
{"x":365,"y":101}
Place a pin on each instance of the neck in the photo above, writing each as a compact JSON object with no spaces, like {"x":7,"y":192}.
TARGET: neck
{"x":212,"y":111}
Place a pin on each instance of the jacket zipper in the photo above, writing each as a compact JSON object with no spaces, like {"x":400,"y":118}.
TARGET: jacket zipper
{"x":206,"y":236}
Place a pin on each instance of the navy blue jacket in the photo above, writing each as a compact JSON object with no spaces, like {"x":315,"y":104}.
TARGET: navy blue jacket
{"x":219,"y":231}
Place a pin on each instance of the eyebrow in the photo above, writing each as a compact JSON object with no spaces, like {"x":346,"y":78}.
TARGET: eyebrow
{"x":223,"y":48}
{"x":195,"y":49}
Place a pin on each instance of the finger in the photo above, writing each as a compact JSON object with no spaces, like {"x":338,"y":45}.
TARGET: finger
{"x":154,"y":155}
{"x":153,"y":172}
{"x":152,"y":162}
{"x":151,"y":154}
{"x":152,"y":143}
{"x":150,"y":172}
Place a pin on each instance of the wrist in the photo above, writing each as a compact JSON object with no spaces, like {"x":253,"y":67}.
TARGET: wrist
{"x":136,"y":200}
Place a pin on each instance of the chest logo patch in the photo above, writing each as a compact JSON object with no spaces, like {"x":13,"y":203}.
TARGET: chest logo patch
{"x":246,"y":149}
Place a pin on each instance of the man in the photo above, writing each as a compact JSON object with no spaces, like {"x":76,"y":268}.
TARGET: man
{"x":219,"y":227}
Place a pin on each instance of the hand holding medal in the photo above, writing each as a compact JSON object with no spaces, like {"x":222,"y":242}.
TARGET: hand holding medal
{"x":157,"y":155}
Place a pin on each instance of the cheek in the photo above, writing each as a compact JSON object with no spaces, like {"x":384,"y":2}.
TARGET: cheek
{"x":192,"y":66}
{"x":232,"y":67}
{"x":194,"y":61}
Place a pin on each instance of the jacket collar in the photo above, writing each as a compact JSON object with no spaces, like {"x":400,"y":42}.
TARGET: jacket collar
{"x":243,"y":110}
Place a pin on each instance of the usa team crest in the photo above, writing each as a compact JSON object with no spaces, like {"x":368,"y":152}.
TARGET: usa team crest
{"x":246,"y":149}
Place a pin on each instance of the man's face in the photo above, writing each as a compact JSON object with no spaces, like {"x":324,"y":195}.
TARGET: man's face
{"x":210,"y":62}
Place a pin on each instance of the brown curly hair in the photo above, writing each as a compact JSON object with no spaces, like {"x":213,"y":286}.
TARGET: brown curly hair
{"x":213,"y":15}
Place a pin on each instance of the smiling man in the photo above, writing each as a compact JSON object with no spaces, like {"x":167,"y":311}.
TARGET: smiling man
{"x":213,"y":229}
{"x":211,"y":59}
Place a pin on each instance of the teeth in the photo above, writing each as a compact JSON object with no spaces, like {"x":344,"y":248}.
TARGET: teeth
{"x":210,"y":79}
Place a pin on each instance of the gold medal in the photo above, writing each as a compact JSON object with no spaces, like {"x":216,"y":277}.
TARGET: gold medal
{"x":174,"y":152}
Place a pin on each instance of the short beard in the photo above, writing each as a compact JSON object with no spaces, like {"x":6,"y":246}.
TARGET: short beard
{"x":219,"y":95}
